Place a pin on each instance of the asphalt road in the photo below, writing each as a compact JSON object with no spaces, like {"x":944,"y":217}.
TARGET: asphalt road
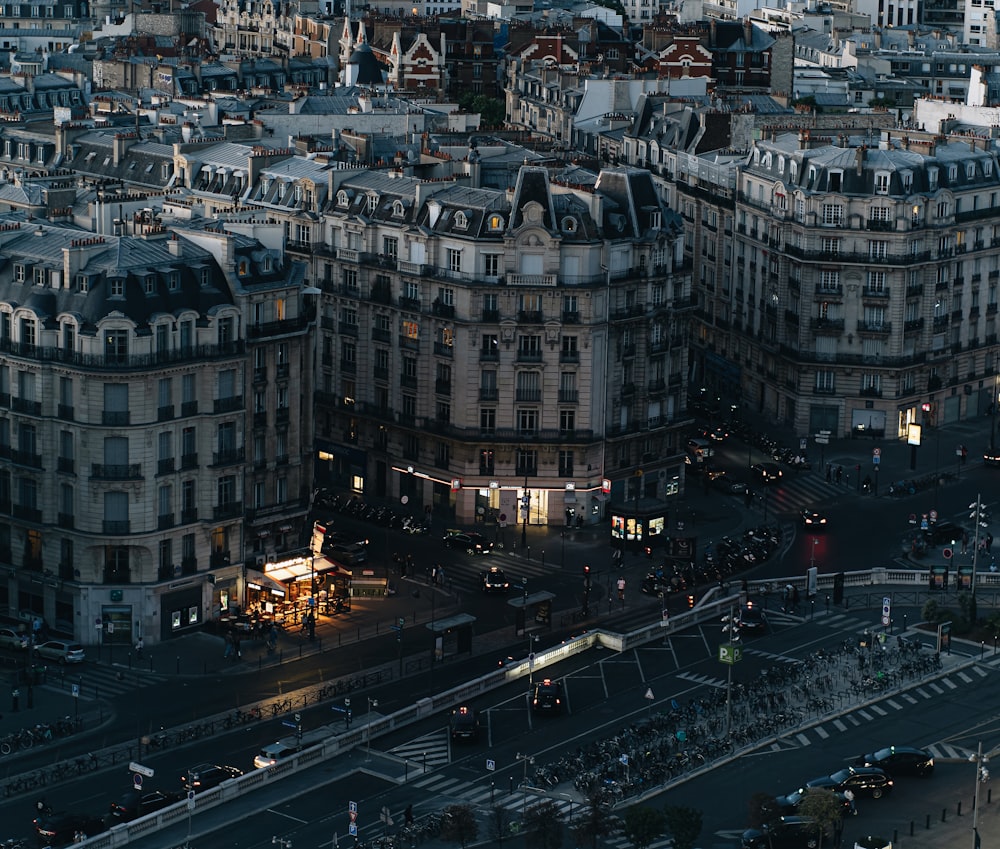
{"x":605,"y":693}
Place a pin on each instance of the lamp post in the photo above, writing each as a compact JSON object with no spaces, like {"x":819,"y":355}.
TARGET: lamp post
{"x":532,"y":639}
{"x":371,"y":703}
{"x":993,"y":414}
{"x":981,"y":518}
{"x":526,"y":759}
{"x":982,"y":776}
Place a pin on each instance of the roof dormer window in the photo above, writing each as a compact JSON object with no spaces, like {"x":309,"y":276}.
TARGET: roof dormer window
{"x":882,"y":182}
{"x":569,"y":224}
{"x":398,"y":210}
{"x":372,"y":204}
{"x":970,"y":170}
{"x":987,"y":167}
{"x":495,"y":223}
{"x":932,"y":178}
{"x":907,"y":179}
{"x":343,"y":199}
{"x":265,"y":186}
{"x":461,"y":221}
{"x":952,"y":173}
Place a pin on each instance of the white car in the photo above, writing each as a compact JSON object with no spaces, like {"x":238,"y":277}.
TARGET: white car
{"x":62,"y":651}
{"x":11,"y":639}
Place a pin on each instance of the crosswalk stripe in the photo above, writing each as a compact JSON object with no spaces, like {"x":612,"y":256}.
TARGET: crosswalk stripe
{"x":805,"y":741}
{"x":932,"y":686}
{"x":923,"y":693}
{"x":839,"y":725}
{"x":438,"y":781}
{"x":853,"y":720}
{"x":702,"y":679}
{"x":910,"y":698}
{"x":963,"y":677}
{"x":880,"y":711}
{"x":894,"y":704}
{"x":867,"y":717}
{"x":982,"y":673}
{"x":100,"y":682}
{"x":951,"y":685}
{"x":821,"y":732}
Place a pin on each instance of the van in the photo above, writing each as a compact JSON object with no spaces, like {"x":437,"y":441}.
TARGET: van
{"x":274,"y":753}
{"x":700,"y":449}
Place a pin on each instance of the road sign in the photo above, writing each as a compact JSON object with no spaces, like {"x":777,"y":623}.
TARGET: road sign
{"x":933,"y":515}
{"x":385,"y":816}
{"x":876,"y":452}
{"x":503,"y":517}
{"x":649,"y":694}
{"x":75,"y":690}
{"x":876,"y":460}
{"x":665,"y":618}
{"x":821,"y":439}
{"x":924,"y":524}
{"x":353,"y":815}
{"x":140,"y":769}
{"x":947,"y":554}
{"x":190,"y":800}
{"x":396,"y":627}
{"x":111,"y":627}
{"x":803,"y":444}
{"x":623,"y":759}
{"x":886,"y":610}
{"x":352,"y":829}
{"x":137,"y":781}
{"x":491,"y":764}
{"x":298,"y":717}
{"x":730,"y":653}
{"x":288,"y":724}
{"x":352,"y":806}
{"x":401,"y":621}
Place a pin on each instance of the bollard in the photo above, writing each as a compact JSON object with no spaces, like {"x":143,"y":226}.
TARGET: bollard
{"x":958,"y":812}
{"x":543,"y":558}
{"x":177,"y":666}
{"x":912,"y":824}
{"x":989,"y":796}
{"x":510,"y":788}
{"x":130,"y":661}
{"x":260,"y":662}
{"x":151,"y":664}
{"x":982,"y":649}
{"x":927,"y":825}
{"x":895,"y":837}
{"x":944,"y":815}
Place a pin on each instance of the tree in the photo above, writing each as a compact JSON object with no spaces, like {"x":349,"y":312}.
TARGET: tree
{"x":683,"y":825}
{"x":499,"y":823}
{"x":594,"y":822}
{"x":459,"y":824}
{"x":643,"y":825}
{"x":763,"y":810}
{"x":492,"y":112}
{"x":931,"y":611}
{"x":543,"y":826}
{"x":825,"y":807}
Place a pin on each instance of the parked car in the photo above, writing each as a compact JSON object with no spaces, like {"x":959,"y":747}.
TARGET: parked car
{"x":991,"y":458}
{"x":899,"y":760}
{"x":861,"y":780}
{"x":464,"y":723}
{"x":135,"y":803}
{"x":700,"y":449}
{"x":547,"y":697}
{"x":206,"y":776}
{"x":350,"y":554}
{"x":784,"y":833}
{"x":789,"y":805}
{"x":470,"y":542}
{"x":61,"y":651}
{"x":766,"y":473}
{"x":62,"y":829}
{"x":10,"y":638}
{"x":750,"y":618}
{"x":495,"y":580}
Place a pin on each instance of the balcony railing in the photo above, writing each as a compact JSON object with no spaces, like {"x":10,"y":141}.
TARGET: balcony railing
{"x":116,"y":471}
{"x":26,"y":458}
{"x":165,"y":521}
{"x":165,"y":414}
{"x":189,"y":408}
{"x":115,"y":418}
{"x":165,"y":466}
{"x":65,"y":412}
{"x":188,"y":516}
{"x":228,"y":457}
{"x":528,"y":395}
{"x":230,"y":510}
{"x":119,"y":527}
{"x":20,"y":405}
{"x":189,"y":353}
{"x":228,"y":405}
{"x":66,"y":464}
{"x":569,"y":396}
{"x":189,"y":461}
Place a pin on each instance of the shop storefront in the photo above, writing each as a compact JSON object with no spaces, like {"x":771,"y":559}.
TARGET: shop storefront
{"x":308,"y":583}
{"x":116,"y":620}
{"x":340,"y":467}
{"x":639,"y":527}
{"x":180,"y":611}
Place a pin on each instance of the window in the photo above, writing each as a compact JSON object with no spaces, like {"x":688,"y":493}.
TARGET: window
{"x":833,"y":214}
{"x":830,"y":246}
{"x":829,"y":281}
{"x":876,"y":281}
{"x":527,"y":420}
{"x":825,"y":381}
{"x":491,"y":265}
{"x":390,"y":247}
{"x":878,"y":250}
{"x":566,"y":463}
{"x":529,"y":346}
{"x":454,"y":259}
{"x":488,"y":420}
{"x":567,"y":421}
{"x":882,"y":182}
{"x":486,"y":461}
{"x":879,"y":213}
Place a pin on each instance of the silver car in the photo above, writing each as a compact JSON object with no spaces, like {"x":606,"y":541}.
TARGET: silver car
{"x":62,"y":651}
{"x":11,"y":639}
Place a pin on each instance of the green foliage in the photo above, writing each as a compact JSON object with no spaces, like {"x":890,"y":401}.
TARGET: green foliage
{"x":824,"y":806}
{"x":492,"y":111}
{"x":543,"y":826}
{"x":763,"y":810}
{"x":643,"y":825}
{"x":683,"y":825}
{"x":932,"y":611}
{"x":459,"y":824}
{"x":594,"y":822}
{"x":499,"y":823}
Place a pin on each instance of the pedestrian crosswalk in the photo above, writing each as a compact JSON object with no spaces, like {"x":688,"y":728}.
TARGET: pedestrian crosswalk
{"x":427,"y":752}
{"x":95,"y":682}
{"x":886,"y":708}
{"x":796,"y":492}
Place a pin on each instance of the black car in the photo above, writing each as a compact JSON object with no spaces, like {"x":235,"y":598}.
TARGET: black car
{"x":470,"y":542}
{"x":495,"y":580}
{"x":62,"y":829}
{"x":943,"y":532}
{"x":766,"y":473}
{"x":136,"y":803}
{"x":464,"y":723}
{"x":653,"y":584}
{"x":751,"y":618}
{"x":991,"y":458}
{"x":206,"y":776}
{"x":784,"y":833}
{"x":899,"y":760}
{"x":814,"y":520}
{"x":860,"y":780}
{"x":547,"y":697}
{"x":789,"y":805}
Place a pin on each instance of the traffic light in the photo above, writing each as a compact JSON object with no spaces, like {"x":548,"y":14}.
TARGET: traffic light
{"x":586,"y":577}
{"x":690,"y":601}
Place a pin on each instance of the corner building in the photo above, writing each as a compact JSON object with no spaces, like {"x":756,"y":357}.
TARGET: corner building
{"x":502,"y":356}
{"x":865,"y":282}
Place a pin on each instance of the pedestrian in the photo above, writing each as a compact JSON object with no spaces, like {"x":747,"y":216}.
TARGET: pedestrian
{"x":989,"y":542}
{"x":964,"y":452}
{"x":795,"y":599}
{"x":139,"y":645}
{"x":236,"y":646}
{"x":228,"y":653}
{"x":272,"y":638}
{"x":840,"y":473}
{"x":621,"y":589}
{"x":786,"y":598}
{"x":849,"y":796}
{"x":965,"y":541}
{"x":829,"y":472}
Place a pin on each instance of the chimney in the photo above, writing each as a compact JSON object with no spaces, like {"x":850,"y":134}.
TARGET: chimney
{"x":911,"y":38}
{"x":803,"y":140}
{"x":747,"y":32}
{"x":711,"y":32}
{"x":878,"y":39}
{"x":175,"y":246}
{"x":859,"y":158}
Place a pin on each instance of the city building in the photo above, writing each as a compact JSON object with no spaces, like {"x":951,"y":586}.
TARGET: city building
{"x":864,"y":290}
{"x":484,"y":349}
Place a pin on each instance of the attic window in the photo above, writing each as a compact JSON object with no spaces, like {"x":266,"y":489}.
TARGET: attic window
{"x":569,"y":224}
{"x":461,"y":221}
{"x":166,"y":170}
{"x":987,"y":167}
{"x":932,"y":178}
{"x":82,"y":282}
{"x":882,"y":182}
{"x":265,"y":264}
{"x":39,"y":276}
{"x":242,"y":268}
{"x":149,"y":284}
{"x":203,"y":277}
{"x":397,"y":209}
{"x":174,"y":281}
{"x":372,"y":204}
{"x":970,"y":170}
{"x":342,"y":198}
{"x":265,"y":186}
{"x":149,"y":168}
{"x":19,"y":272}
{"x":907,"y":178}
{"x":952,"y":173}
{"x":116,"y":287}
{"x":655,"y":220}
{"x":132,"y":165}
{"x":781,"y":164}
{"x":793,"y":169}
{"x":495,"y":223}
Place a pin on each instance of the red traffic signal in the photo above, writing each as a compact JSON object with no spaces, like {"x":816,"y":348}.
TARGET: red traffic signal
{"x":690,"y":602}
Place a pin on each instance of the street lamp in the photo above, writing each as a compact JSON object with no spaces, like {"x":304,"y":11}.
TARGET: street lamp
{"x":282,"y":842}
{"x":526,"y":759}
{"x":982,"y":776}
{"x":371,"y":703}
{"x":525,"y":511}
{"x":532,"y":639}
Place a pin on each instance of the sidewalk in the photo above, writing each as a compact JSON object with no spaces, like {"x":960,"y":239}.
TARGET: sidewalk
{"x":937,"y":452}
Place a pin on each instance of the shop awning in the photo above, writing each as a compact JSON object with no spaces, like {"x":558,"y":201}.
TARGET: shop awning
{"x":325,"y":564}
{"x":260,"y":581}
{"x":291,"y":572}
